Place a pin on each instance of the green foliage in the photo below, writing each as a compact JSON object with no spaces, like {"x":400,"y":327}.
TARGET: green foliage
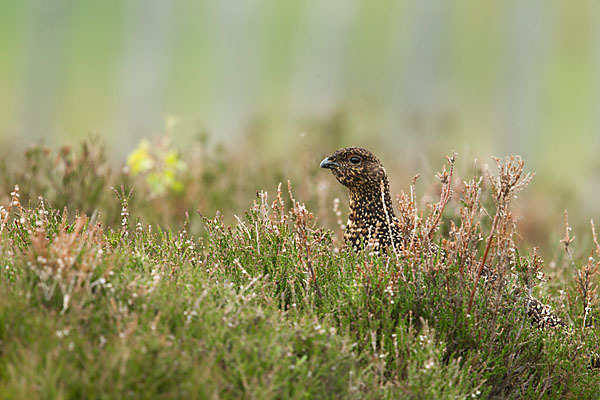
{"x":269,"y":306}
{"x":159,"y":163}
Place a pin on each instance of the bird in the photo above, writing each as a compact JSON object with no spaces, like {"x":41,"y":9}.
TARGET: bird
{"x":372,"y":220}
{"x":371,"y":217}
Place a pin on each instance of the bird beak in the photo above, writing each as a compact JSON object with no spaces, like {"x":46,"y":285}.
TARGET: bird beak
{"x":327,"y":163}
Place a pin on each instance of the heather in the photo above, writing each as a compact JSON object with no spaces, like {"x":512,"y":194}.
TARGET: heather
{"x":205,"y":273}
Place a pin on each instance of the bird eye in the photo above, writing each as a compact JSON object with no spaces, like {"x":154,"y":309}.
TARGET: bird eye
{"x":355,"y":159}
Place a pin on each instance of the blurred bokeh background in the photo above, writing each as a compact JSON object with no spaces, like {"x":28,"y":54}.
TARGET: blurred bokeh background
{"x":413,"y":80}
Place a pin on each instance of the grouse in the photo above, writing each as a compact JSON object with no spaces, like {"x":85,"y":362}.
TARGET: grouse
{"x":371,"y":217}
{"x":372,"y":220}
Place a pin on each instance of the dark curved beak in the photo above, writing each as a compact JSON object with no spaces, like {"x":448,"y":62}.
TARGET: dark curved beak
{"x":327,"y":163}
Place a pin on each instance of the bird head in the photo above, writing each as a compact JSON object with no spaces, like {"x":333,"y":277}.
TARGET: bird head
{"x":355,"y":168}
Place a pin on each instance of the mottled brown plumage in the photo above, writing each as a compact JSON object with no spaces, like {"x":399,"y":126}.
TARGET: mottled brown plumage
{"x":371,"y":216}
{"x":542,"y":314}
{"x":372,"y":220}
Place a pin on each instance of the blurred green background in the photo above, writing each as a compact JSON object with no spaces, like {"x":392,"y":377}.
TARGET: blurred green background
{"x":412,"y":79}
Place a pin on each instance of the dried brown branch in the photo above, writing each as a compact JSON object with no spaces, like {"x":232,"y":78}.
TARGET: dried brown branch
{"x":446,"y":178}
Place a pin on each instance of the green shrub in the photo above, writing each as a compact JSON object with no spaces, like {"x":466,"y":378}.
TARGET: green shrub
{"x":97,"y":300}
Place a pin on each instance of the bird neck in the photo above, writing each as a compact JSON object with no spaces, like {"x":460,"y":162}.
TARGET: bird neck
{"x":376,"y":199}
